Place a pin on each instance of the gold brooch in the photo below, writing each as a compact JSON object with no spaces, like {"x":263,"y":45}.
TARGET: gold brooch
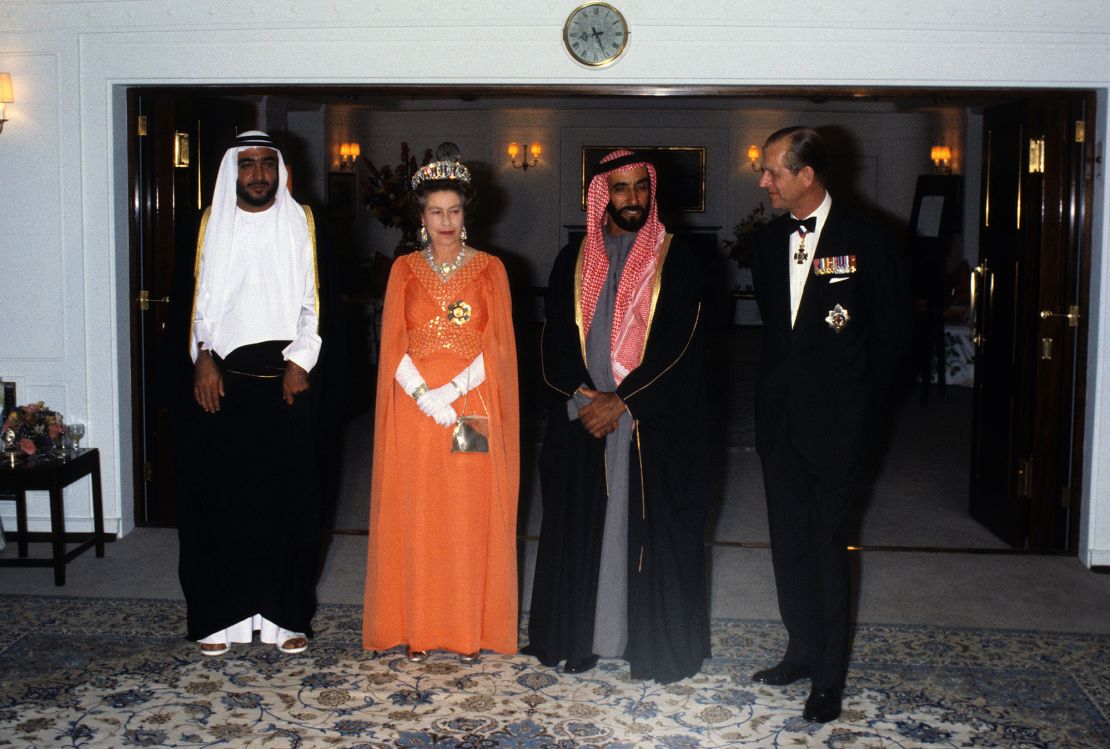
{"x":838,"y":318}
{"x":459,"y":313}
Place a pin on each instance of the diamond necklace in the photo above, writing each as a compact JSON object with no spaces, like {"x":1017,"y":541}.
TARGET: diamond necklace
{"x":443,"y":270}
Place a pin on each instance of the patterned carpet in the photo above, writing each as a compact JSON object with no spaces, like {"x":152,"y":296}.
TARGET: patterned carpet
{"x":116,"y":673}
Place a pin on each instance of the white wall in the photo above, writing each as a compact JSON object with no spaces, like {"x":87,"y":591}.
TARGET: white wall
{"x":63,"y":207}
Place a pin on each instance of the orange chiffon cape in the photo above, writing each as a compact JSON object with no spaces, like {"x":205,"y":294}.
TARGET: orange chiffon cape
{"x":441,"y":569}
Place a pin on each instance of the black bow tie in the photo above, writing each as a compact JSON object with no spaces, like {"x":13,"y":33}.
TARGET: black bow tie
{"x":803,"y":226}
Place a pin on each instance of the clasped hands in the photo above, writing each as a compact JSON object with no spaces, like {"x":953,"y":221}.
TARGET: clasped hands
{"x":601,"y":415}
{"x":437,"y":404}
{"x":208,"y":382}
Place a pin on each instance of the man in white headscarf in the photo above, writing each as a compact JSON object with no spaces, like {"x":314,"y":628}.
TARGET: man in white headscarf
{"x":620,"y":568}
{"x":249,"y":504}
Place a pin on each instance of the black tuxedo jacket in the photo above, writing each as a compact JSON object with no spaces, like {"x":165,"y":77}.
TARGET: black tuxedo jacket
{"x":817,"y":386}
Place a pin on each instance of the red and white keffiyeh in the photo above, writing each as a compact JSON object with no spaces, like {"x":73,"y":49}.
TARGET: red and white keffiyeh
{"x":633,"y":303}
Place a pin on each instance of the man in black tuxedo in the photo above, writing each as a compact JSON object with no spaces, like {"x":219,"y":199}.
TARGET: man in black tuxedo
{"x":832,"y":295}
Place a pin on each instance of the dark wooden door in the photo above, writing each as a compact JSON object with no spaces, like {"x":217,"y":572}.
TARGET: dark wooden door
{"x":176,"y":140}
{"x":1028,"y":370}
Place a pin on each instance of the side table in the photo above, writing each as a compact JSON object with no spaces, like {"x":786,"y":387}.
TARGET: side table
{"x":54,"y":475}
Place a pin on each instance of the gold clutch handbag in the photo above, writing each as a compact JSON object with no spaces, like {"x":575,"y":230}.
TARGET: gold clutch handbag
{"x":471,"y":433}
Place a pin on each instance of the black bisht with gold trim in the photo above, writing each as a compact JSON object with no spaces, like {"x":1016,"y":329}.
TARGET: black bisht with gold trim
{"x":668,"y":496}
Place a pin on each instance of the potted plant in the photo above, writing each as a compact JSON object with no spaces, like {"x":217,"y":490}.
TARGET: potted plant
{"x":738,"y":248}
{"x":384,"y":192}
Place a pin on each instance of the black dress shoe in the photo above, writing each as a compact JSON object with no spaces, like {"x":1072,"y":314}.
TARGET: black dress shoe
{"x":579,"y":665}
{"x":782,"y":674}
{"x":545,"y":660}
{"x":823,"y":705}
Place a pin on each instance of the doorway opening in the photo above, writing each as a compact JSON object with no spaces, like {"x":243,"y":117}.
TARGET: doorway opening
{"x":1014,"y":414}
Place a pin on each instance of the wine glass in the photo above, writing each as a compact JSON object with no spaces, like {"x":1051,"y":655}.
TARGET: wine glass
{"x":58,"y":448}
{"x":78,"y":433}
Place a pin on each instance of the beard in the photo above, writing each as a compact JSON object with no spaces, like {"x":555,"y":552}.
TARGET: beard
{"x":251,"y":200}
{"x":629,"y":222}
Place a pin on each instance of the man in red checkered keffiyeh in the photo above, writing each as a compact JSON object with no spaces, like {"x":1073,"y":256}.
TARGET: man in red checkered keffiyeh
{"x":620,"y":566}
{"x":621,"y":200}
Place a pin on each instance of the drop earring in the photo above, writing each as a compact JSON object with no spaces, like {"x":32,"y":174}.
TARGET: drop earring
{"x":424,"y":238}
{"x":462,"y":234}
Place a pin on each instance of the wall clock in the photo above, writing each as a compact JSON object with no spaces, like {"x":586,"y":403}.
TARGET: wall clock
{"x":595,"y":34}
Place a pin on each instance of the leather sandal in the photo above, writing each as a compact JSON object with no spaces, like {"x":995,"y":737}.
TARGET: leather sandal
{"x":214,"y":648}
{"x":294,"y":645}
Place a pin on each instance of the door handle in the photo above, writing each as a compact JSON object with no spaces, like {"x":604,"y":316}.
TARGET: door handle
{"x":979,"y":271}
{"x":145,"y":300}
{"x":1046,"y":349}
{"x":1072,"y":315}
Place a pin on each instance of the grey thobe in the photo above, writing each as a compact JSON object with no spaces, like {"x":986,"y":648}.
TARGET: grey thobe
{"x":611,"y":611}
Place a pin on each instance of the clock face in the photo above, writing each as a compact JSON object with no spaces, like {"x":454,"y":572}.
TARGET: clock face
{"x":595,"y":34}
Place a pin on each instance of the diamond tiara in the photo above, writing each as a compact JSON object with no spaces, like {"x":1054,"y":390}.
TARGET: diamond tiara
{"x":441,"y":170}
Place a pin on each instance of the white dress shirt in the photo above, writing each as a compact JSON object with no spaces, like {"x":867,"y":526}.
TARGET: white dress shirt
{"x":799,"y":273}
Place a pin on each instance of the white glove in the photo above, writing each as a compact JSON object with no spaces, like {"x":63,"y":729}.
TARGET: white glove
{"x":471,"y":377}
{"x":407,"y":375}
{"x":445,"y":416}
{"x":434,"y":400}
{"x":410,"y":379}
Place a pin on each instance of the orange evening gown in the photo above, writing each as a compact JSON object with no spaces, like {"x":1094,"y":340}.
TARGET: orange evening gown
{"x":441,"y":572}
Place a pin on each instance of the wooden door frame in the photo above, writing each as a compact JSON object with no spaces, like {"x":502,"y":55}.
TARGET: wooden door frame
{"x":1081,"y":232}
{"x":1046,"y":512}
{"x":1071,"y":225}
{"x":146,"y":227}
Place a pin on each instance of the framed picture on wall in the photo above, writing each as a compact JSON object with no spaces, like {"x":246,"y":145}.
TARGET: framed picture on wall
{"x":936,"y":207}
{"x":341,"y":195}
{"x":681,"y":172}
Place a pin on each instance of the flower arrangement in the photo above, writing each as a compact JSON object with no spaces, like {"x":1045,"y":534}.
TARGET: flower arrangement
{"x":385,"y":188}
{"x":739,"y":247}
{"x":36,"y":427}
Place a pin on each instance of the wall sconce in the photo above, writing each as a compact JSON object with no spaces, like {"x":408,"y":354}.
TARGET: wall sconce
{"x":942,"y":159}
{"x":348,"y":155}
{"x":753,"y":157}
{"x":5,"y":96}
{"x":514,"y":151}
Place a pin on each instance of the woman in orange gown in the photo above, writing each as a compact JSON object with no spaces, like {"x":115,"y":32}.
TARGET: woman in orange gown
{"x":441,"y":572}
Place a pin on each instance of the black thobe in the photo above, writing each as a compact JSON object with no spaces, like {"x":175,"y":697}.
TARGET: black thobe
{"x":249,"y":507}
{"x":668,"y":625}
